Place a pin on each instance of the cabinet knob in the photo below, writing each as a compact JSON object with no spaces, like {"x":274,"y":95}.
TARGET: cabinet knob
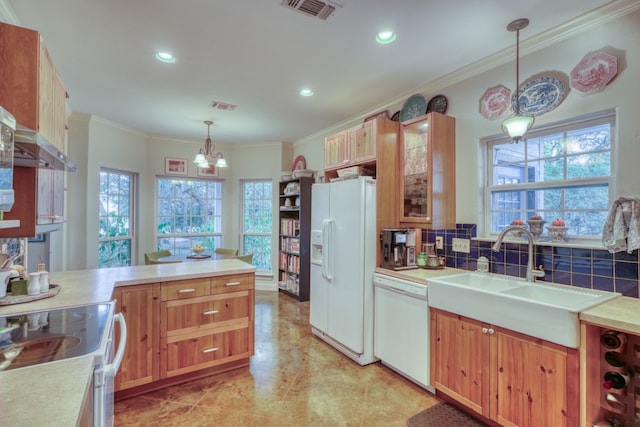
{"x":491,"y":331}
{"x":485,"y":330}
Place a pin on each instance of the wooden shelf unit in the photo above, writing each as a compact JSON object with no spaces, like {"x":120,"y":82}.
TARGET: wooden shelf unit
{"x":295,"y":238}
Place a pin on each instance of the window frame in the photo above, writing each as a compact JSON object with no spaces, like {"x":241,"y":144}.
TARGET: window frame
{"x":194,"y":238}
{"x":243,"y":233}
{"x":603,"y":117}
{"x":133,"y":176}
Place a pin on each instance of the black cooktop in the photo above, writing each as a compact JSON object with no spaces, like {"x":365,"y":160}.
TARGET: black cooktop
{"x":45,"y":336}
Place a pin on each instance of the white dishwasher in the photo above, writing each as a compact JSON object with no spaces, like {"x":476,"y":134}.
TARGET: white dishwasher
{"x":401,"y":327}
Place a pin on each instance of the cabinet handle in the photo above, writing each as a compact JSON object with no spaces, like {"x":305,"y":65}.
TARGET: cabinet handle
{"x":206,"y":313}
{"x":232,"y":284}
{"x":210,"y":350}
{"x":186,"y":291}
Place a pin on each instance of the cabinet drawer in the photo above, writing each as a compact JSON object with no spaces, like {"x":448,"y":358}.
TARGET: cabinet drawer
{"x":232,"y":283}
{"x":181,"y":289}
{"x":207,"y":310}
{"x":205,"y":351}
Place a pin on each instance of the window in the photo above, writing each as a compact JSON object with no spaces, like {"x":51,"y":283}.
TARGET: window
{"x":563,"y":171}
{"x":189,"y":214}
{"x":115,"y":234}
{"x":257,"y":221}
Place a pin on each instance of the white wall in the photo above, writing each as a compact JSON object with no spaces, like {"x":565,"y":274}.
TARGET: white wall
{"x":621,"y":36}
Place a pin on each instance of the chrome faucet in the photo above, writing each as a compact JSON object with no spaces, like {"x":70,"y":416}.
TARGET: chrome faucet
{"x":532,"y":273}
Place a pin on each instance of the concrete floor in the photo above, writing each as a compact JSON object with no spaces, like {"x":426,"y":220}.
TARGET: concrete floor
{"x":294,"y":379}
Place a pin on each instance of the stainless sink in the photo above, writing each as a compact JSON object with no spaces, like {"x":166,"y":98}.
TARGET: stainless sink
{"x":541,"y":309}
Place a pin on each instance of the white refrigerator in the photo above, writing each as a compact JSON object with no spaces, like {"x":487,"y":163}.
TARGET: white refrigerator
{"x":343,"y":257}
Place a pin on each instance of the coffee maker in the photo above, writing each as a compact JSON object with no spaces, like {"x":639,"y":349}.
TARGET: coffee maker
{"x":398,"y":248}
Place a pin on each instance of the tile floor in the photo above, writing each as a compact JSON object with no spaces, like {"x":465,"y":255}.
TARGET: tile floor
{"x":294,"y":379}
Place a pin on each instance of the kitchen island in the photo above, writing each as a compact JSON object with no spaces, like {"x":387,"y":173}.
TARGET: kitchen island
{"x":57,"y":390}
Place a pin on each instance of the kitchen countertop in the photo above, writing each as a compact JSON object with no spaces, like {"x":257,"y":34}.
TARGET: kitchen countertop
{"x":621,"y":314}
{"x":84,"y":287}
{"x":31,"y":395}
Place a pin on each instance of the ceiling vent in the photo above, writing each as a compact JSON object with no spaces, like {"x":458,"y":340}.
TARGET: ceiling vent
{"x":223,"y":106}
{"x":316,"y":8}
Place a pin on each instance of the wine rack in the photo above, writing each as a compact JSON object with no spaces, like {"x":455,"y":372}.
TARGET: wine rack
{"x":619,"y":375}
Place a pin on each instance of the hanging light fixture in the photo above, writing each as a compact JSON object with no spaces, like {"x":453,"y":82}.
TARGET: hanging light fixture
{"x":207,"y":153}
{"x":518,"y":124}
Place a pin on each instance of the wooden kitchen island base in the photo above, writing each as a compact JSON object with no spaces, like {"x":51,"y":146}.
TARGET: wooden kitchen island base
{"x":181,"y":330}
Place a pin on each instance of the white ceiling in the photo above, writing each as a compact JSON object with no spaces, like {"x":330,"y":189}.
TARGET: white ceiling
{"x":258,"y":55}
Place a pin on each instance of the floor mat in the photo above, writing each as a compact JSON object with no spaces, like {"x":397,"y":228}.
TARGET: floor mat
{"x":443,"y":415}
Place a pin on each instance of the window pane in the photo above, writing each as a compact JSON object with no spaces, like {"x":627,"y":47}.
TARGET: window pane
{"x":189,"y":214}
{"x":573,"y":161}
{"x":257,"y":221}
{"x":115,"y":217}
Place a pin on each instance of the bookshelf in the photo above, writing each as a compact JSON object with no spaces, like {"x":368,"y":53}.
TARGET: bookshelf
{"x":295,"y":238}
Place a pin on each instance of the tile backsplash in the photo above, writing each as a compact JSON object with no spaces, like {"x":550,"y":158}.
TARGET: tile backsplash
{"x":580,"y":267}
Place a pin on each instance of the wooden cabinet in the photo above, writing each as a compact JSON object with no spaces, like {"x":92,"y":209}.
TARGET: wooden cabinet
{"x":140,"y":306}
{"x":427,"y":172}
{"x":336,"y":151}
{"x":32,"y":89}
{"x":295,"y":238}
{"x":504,"y":376}
{"x":184,"y":329}
{"x":357,"y":146}
{"x":39,"y":200}
{"x":206,"y":322}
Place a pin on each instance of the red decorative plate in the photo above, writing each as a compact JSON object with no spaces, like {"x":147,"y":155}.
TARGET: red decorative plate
{"x":593,"y":72}
{"x":299,"y":163}
{"x":494,"y":102}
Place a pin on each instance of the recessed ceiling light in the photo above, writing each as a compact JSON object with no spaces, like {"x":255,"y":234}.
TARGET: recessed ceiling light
{"x":165,"y":57}
{"x":385,"y":37}
{"x":306,"y":92}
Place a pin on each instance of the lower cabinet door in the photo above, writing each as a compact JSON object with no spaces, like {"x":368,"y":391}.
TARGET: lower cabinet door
{"x":194,"y":353}
{"x":534,"y":382}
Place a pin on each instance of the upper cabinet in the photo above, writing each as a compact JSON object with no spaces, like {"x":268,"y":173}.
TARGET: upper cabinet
{"x":31,"y":88}
{"x":355,"y":146}
{"x":427,"y":172}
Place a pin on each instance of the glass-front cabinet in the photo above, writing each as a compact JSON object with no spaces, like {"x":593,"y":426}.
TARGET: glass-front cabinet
{"x":428,"y":186}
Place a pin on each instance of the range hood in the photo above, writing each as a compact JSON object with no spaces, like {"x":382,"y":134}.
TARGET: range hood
{"x":33,"y":150}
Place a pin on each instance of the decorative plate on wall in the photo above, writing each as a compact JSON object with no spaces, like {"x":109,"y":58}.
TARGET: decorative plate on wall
{"x":540,"y":96}
{"x":299,"y":163}
{"x":593,"y":72}
{"x":413,"y":107}
{"x":438,"y":103}
{"x":396,"y":116}
{"x":494,"y":102}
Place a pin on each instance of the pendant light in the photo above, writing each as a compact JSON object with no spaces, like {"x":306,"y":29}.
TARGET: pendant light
{"x":518,"y":124}
{"x":207,"y":152}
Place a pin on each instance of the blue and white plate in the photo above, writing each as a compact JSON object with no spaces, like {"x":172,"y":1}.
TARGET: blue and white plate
{"x":539,"y":96}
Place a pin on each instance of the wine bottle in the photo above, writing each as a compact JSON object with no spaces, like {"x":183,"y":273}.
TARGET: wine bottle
{"x":613,"y":340}
{"x":615,"y":380}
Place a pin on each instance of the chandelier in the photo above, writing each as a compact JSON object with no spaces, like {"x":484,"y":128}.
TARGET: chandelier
{"x":207,"y":153}
{"x":518,"y":124}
